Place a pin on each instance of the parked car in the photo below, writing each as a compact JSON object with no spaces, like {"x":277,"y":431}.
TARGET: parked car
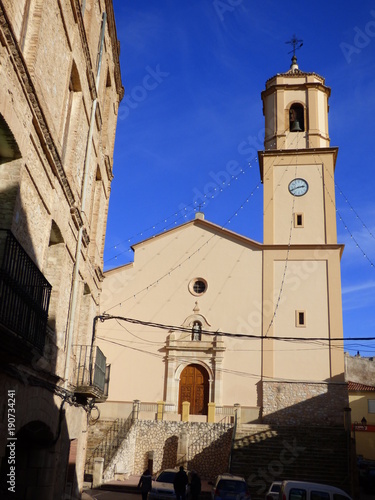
{"x":273,"y":492}
{"x":229,"y":487}
{"x":301,"y":490}
{"x":162,"y":487}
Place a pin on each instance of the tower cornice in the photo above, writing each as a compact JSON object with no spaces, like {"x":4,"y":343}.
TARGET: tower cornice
{"x":296,"y":154}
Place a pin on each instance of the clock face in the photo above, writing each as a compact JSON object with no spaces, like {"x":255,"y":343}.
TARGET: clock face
{"x":298,"y":187}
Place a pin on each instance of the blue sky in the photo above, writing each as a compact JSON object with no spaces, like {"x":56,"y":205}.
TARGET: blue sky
{"x":192,"y":115}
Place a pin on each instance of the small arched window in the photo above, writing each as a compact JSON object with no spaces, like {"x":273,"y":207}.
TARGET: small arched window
{"x":296,"y":118}
{"x":196,"y":331}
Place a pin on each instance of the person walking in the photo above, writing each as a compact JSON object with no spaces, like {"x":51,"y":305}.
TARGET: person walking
{"x":195,"y":486}
{"x":180,"y":482}
{"x":145,"y":483}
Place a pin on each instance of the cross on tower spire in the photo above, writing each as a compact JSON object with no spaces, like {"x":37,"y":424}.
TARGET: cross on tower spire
{"x":296,"y":44}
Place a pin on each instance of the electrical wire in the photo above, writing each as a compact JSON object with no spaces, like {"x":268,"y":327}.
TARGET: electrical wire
{"x":173,"y":328}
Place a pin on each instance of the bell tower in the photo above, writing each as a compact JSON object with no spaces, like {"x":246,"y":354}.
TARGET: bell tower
{"x":301,"y":265}
{"x":297,"y":164}
{"x":295,"y":106}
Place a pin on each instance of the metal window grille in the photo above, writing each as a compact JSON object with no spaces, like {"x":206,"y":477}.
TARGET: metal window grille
{"x":24,"y":292}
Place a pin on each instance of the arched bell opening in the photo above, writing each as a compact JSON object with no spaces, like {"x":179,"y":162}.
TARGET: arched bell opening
{"x":296,"y":118}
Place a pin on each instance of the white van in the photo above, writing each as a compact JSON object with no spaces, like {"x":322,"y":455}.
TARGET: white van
{"x":301,"y":490}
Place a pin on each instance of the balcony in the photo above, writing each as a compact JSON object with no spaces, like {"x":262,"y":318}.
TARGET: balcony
{"x":91,"y":377}
{"x":24,"y":299}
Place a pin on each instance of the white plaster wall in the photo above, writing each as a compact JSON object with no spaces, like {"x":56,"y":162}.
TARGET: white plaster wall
{"x":146,"y":290}
{"x":304,"y":290}
{"x":311,"y":205}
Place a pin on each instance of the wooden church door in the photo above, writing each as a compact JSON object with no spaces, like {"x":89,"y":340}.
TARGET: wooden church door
{"x":194,"y":388}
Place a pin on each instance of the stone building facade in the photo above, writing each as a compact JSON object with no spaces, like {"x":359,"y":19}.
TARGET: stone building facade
{"x":60,"y":88}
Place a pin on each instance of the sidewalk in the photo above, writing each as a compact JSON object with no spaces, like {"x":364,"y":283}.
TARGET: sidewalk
{"x":129,"y":485}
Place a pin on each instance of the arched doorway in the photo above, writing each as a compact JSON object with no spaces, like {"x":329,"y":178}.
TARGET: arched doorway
{"x":35,"y":458}
{"x":194,"y":388}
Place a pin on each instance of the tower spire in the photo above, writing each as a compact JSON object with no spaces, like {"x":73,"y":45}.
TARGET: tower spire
{"x":296,"y":44}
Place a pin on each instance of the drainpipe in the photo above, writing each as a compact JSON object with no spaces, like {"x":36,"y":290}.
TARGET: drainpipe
{"x":75,"y":284}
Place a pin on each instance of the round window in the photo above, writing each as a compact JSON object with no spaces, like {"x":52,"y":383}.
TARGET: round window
{"x":198,"y":286}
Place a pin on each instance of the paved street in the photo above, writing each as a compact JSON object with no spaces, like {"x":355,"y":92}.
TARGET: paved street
{"x":108,"y":495}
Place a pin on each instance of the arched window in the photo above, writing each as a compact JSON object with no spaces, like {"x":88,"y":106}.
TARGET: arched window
{"x":196,"y":331}
{"x":296,"y":118}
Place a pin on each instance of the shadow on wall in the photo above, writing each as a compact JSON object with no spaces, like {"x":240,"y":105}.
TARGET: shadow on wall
{"x":307,"y":441}
{"x":170,"y":453}
{"x":302,"y":453}
{"x":304,"y":403}
{"x":212,"y":460}
{"x":37,"y":456}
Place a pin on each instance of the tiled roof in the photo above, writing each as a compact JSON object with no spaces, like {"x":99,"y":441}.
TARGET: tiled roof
{"x":354,"y":386}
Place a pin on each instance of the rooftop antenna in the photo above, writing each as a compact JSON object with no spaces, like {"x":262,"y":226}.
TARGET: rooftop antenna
{"x":296,"y":44}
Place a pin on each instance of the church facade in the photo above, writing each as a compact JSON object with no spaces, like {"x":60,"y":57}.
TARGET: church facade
{"x":227,"y":323}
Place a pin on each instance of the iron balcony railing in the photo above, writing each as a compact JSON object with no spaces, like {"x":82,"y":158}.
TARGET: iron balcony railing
{"x":91,"y":376}
{"x":24,"y":293}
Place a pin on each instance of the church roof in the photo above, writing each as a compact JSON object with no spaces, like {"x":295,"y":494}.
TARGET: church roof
{"x":199,"y":221}
{"x":295,"y":72}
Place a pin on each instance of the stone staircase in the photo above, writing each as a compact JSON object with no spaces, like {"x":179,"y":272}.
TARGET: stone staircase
{"x":263,"y":454}
{"x":103,"y":440}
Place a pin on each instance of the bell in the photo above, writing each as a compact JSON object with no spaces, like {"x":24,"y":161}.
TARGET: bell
{"x":295,"y":127}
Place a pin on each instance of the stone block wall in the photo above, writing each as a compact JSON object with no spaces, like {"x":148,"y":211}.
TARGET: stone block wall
{"x":208,"y":448}
{"x":295,"y":403}
{"x":123,"y":461}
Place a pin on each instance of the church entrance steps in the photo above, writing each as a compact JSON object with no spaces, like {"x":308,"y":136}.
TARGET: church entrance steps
{"x":263,"y":454}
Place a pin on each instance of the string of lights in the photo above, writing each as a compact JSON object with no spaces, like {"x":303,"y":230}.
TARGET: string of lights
{"x":352,"y":237}
{"x":354,"y":211}
{"x":178,"y":216}
{"x":287,"y":256}
{"x":196,"y":251}
{"x":174,"y":268}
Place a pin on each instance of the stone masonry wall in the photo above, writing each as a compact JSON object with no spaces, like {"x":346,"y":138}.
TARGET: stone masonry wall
{"x":208,"y":448}
{"x":292,"y":403}
{"x":123,"y":461}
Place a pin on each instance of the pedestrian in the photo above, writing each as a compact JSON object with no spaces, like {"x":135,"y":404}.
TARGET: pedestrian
{"x":195,"y":486}
{"x":145,"y":483}
{"x":180,"y":482}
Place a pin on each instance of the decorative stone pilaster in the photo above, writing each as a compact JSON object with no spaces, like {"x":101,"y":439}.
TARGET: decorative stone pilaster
{"x":185,"y":411}
{"x":160,"y":412}
{"x":237,"y":410}
{"x":136,"y":408}
{"x":211,"y":413}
